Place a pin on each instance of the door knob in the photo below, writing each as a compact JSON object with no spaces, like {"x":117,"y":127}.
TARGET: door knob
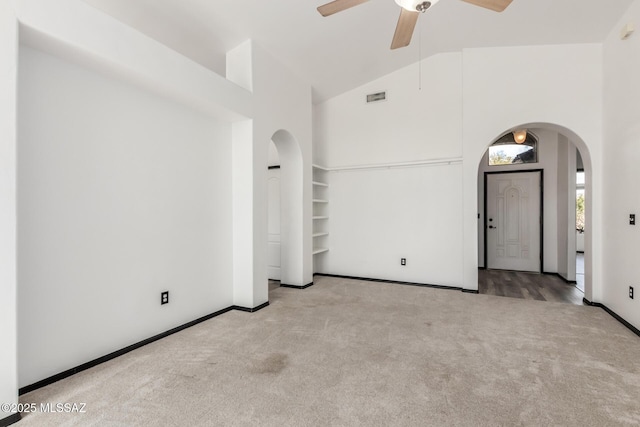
{"x":491,"y":226}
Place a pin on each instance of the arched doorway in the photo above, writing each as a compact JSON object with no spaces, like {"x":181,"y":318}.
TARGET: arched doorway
{"x":290,"y":222}
{"x":556,"y":160}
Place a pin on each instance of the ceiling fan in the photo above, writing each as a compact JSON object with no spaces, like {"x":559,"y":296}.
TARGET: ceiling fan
{"x":409,"y":12}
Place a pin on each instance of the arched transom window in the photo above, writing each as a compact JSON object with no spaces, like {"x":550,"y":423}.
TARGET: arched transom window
{"x":506,"y":151}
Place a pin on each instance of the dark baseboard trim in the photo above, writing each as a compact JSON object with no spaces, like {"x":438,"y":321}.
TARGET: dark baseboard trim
{"x":250,"y":310}
{"x":470,"y":291}
{"x":613,"y":314}
{"x":69,"y":372}
{"x":482,"y":268}
{"x":395,"y":282}
{"x":284,"y":285}
{"x":11,"y":419}
{"x":571,"y":282}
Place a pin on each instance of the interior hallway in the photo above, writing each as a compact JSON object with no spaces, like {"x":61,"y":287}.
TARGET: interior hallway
{"x":273,"y":284}
{"x":533,"y":286}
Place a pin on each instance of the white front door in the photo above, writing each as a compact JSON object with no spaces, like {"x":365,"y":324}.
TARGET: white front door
{"x":273,"y":225}
{"x":513,"y":221}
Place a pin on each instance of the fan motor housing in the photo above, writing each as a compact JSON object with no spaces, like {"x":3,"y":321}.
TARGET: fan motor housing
{"x":422,"y":7}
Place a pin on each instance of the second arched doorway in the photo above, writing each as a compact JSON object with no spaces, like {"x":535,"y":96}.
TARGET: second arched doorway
{"x":527,"y":213}
{"x":286,"y":237}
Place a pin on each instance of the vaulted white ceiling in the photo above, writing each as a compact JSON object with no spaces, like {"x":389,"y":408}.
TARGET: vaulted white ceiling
{"x":348,"y":49}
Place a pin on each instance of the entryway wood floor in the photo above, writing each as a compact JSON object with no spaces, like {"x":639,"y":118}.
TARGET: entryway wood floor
{"x":516,"y":284}
{"x":273,"y":284}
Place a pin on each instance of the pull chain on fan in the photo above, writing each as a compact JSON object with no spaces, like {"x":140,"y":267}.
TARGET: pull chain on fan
{"x":420,"y":59}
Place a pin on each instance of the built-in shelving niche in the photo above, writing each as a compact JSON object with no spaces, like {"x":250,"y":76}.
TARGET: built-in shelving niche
{"x":320,"y":213}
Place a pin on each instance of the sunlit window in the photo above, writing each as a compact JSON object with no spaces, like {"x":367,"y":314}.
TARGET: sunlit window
{"x":505,"y":151}
{"x":580,"y":201}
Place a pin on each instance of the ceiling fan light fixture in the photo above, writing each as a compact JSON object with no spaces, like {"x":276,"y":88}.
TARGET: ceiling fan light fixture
{"x":415,"y":5}
{"x":520,"y":136}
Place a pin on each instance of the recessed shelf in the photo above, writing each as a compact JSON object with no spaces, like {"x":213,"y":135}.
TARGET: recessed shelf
{"x":320,"y":199}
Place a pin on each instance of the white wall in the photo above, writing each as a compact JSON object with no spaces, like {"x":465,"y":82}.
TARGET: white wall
{"x":74,"y":30}
{"x":547,"y":161}
{"x":8,"y":203}
{"x":555,"y":87}
{"x":243,"y":214}
{"x":377,"y":215}
{"x":273,"y":159}
{"x":566,"y":209}
{"x":239,"y":65}
{"x":167,"y":93}
{"x":622,"y":127}
{"x":122,"y":195}
{"x":412,"y":124}
{"x":282,"y":109}
{"x":563,"y":208}
{"x":282,"y":114}
{"x":467,"y":100}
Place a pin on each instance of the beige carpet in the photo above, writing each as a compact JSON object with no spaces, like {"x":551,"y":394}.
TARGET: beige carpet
{"x":347,"y":352}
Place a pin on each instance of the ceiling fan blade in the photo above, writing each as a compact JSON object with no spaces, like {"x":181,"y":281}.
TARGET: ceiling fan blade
{"x":497,"y":5}
{"x":338,"y":6}
{"x":404,"y":29}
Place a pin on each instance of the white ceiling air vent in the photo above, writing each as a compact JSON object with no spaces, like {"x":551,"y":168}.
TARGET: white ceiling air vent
{"x":376,"y":97}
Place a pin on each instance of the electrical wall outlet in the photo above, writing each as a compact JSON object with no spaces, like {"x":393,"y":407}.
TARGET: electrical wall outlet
{"x":631,"y":292}
{"x":632,"y":219}
{"x":403,"y":261}
{"x":164,"y":298}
